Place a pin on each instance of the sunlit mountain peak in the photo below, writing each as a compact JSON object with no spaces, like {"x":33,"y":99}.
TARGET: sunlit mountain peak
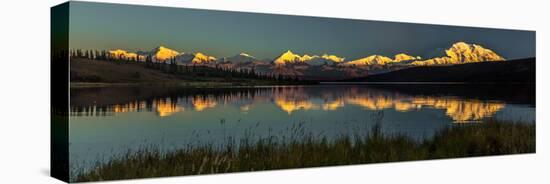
{"x":162,"y":53}
{"x":405,"y":57}
{"x":202,"y":58}
{"x":371,"y":60}
{"x":289,"y":57}
{"x":381,"y":60}
{"x":323,"y":59}
{"x":119,"y":53}
{"x":333,"y":58}
{"x":462,"y":52}
{"x":307,"y":57}
{"x":122,"y":54}
{"x":458,"y":53}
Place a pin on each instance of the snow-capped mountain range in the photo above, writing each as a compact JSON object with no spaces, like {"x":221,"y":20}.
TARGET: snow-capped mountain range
{"x":458,"y":53}
{"x":290,"y":63}
{"x":463,"y":53}
{"x":290,"y":58}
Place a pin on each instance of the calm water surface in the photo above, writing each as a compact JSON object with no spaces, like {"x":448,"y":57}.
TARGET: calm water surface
{"x":109,"y":121}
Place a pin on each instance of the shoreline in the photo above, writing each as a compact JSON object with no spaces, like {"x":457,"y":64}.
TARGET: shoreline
{"x":185,"y":84}
{"x":253,"y":84}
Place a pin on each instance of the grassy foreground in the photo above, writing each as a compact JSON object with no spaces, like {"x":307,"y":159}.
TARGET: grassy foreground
{"x":487,"y":138}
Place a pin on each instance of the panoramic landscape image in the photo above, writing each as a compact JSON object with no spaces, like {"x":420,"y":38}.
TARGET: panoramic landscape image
{"x":158,"y":91}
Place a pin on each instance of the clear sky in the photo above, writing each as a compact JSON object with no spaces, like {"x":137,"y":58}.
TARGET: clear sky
{"x":221,"y":33}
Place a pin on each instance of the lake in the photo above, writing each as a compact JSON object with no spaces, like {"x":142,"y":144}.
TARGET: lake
{"x":109,"y":121}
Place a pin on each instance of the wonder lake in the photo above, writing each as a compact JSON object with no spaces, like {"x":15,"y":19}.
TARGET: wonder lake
{"x":108,"y":121}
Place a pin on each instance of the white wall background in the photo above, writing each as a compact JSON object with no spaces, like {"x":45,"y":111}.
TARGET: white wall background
{"x":24,"y":90}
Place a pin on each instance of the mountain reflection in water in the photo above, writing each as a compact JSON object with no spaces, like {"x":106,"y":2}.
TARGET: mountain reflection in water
{"x":296,"y":98}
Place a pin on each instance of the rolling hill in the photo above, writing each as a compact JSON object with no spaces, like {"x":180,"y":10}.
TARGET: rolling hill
{"x":84,"y":71}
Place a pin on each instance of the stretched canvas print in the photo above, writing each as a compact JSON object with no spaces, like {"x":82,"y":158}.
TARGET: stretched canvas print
{"x":143,"y":91}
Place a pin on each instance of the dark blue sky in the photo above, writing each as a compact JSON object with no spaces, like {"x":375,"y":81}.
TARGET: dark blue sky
{"x":222,"y":33}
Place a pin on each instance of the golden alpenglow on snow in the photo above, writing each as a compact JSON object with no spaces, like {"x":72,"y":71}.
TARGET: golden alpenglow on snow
{"x":371,"y":60}
{"x":458,"y":53}
{"x":404,"y":57}
{"x":333,"y":58}
{"x":202,"y":58}
{"x":125,"y":55}
{"x":162,"y":53}
{"x":289,"y":58}
{"x":461,"y":53}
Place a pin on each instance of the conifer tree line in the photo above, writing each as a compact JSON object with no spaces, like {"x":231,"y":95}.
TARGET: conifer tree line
{"x":171,"y":66}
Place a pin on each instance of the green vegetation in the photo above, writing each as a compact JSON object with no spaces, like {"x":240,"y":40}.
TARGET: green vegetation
{"x":487,"y":138}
